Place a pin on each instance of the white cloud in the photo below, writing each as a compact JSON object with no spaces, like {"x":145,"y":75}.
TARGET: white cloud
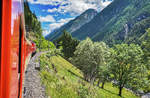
{"x":56,"y":25}
{"x":43,"y":10}
{"x":45,"y":2}
{"x":47,"y":18}
{"x":59,"y":23}
{"x":79,"y":6}
{"x":52,"y":10}
{"x":65,"y":20}
{"x":75,"y":7}
{"x":46,"y":32}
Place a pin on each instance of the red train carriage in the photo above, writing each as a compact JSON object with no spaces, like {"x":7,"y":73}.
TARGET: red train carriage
{"x":14,"y":48}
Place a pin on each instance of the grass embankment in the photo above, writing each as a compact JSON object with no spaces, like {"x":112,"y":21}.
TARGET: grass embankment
{"x":63,"y":80}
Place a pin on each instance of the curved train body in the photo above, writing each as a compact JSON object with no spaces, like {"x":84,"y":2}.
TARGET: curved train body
{"x":15,"y":49}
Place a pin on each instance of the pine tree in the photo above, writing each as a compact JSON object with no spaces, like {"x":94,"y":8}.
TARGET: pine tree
{"x":68,"y":44}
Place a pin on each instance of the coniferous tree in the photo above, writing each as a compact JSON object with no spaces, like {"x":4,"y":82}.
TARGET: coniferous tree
{"x":68,"y":44}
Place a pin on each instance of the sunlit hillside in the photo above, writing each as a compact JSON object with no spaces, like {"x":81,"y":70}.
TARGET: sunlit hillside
{"x":63,"y":80}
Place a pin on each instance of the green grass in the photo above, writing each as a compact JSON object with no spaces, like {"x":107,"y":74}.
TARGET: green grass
{"x":111,"y":92}
{"x":67,"y":81}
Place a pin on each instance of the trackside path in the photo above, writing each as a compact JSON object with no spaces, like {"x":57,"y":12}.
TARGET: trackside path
{"x":32,"y":84}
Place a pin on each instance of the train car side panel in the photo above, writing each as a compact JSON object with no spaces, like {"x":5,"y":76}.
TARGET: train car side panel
{"x":6,"y":50}
{"x":15,"y":49}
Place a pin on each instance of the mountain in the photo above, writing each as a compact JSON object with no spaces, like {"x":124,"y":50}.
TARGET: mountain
{"x":122,"y":20}
{"x":73,"y":25}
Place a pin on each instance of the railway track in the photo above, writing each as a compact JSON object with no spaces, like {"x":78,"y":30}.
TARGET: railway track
{"x":32,"y":84}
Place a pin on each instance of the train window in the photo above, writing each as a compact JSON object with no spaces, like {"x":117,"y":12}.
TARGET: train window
{"x":20,"y":50}
{"x":20,"y":35}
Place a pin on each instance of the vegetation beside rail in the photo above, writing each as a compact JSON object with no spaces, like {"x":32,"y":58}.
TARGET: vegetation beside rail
{"x":64,"y":80}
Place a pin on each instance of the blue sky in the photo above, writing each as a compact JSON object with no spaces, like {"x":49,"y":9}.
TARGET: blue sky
{"x":55,"y":13}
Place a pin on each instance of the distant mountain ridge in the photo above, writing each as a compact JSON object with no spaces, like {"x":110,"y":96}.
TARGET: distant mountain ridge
{"x":74,"y":24}
{"x":121,"y":21}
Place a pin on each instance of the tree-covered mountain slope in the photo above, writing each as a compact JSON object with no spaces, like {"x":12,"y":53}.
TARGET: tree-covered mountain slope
{"x":34,"y":30}
{"x":32,"y":24}
{"x":121,"y":20}
{"x":73,"y":25}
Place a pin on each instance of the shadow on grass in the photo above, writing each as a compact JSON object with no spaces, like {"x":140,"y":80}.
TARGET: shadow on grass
{"x":75,"y":74}
{"x":112,"y":93}
{"x":99,"y":87}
